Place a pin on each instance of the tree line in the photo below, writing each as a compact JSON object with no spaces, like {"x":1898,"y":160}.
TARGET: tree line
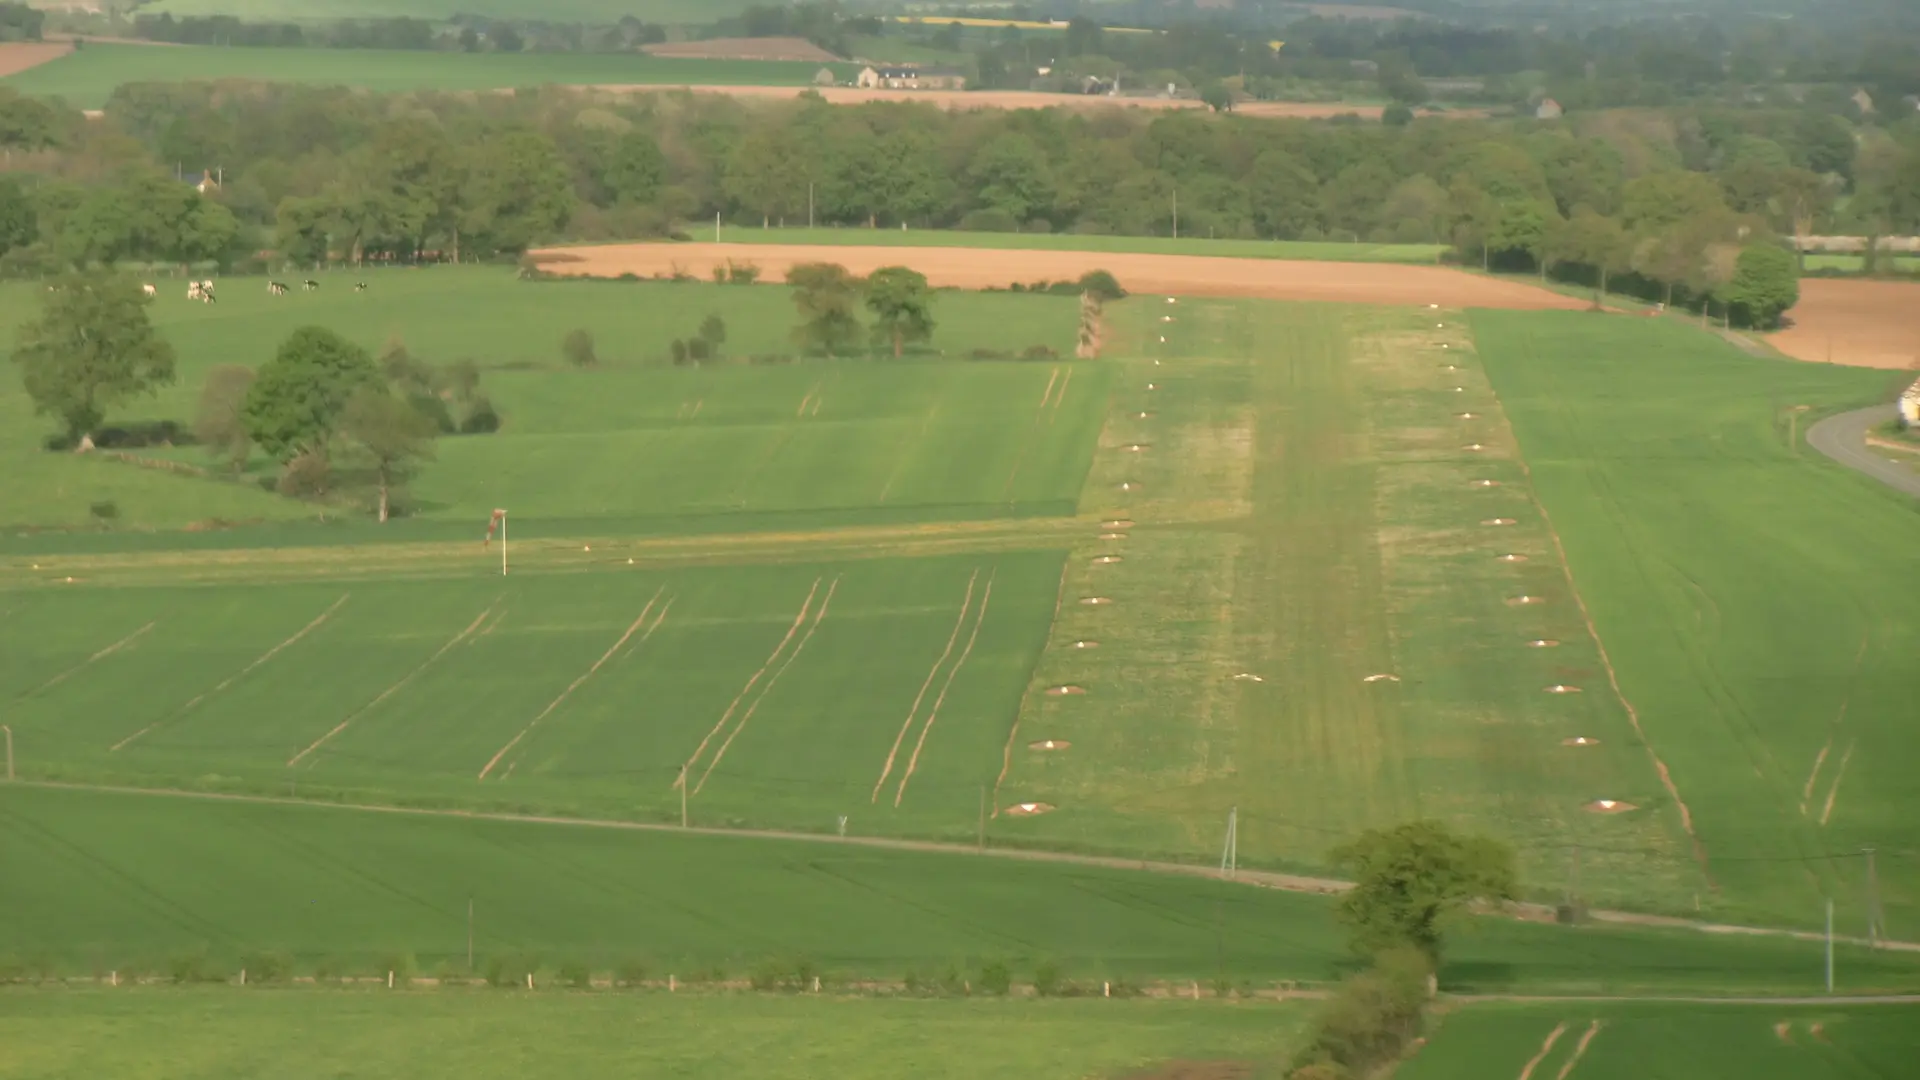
{"x":325,"y":174}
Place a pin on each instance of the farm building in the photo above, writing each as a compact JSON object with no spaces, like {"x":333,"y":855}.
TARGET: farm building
{"x":1548,"y":110}
{"x":1910,"y":406}
{"x":911,"y":78}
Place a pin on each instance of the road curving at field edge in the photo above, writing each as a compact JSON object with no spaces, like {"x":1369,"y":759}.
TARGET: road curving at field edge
{"x":1844,"y":439}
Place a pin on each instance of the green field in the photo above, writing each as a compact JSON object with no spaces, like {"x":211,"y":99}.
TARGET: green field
{"x":634,"y":444}
{"x":1618,"y":1041}
{"x":86,"y":78}
{"x":1742,"y":587}
{"x":601,"y":12}
{"x":1318,"y":251}
{"x":102,"y":882}
{"x":151,"y":1035}
{"x":1857,"y":264}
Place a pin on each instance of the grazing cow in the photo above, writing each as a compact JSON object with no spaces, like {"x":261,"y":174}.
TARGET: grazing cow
{"x":309,"y":285}
{"x":148,"y":290}
{"x":359,"y":286}
{"x":196,"y":291}
{"x":276,"y":288}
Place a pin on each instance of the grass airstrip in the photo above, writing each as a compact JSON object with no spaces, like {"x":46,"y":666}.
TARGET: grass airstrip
{"x":1300,"y":565}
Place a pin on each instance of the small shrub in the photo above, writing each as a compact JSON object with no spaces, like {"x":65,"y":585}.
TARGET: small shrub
{"x":402,"y":965}
{"x":995,"y":978}
{"x":698,"y":351}
{"x":679,"y":351}
{"x":1048,"y":980}
{"x":1103,"y":285}
{"x":954,"y":983}
{"x":916,"y":983}
{"x":577,"y":347}
{"x":719,"y":275}
{"x":989,"y":354}
{"x":191,"y":967}
{"x":990,"y":219}
{"x":305,"y":476}
{"x":328,"y":969}
{"x":713,"y":331}
{"x":1222,"y":986}
{"x":481,"y":418}
{"x":509,"y":970}
{"x":267,"y":967}
{"x":742,"y":273}
{"x":452,"y":973}
{"x":1039,"y":352}
{"x":1122,"y":987}
{"x":630,"y":972}
{"x":104,"y":511}
{"x":576,"y":974}
{"x":772,"y":974}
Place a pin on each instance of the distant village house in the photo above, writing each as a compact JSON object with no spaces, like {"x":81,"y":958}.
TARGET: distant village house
{"x":1548,"y":109}
{"x":911,"y":78}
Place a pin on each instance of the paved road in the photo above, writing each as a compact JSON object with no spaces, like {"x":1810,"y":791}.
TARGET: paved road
{"x":1844,"y":439}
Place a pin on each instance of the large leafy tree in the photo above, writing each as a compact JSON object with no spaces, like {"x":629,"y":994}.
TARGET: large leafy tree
{"x":295,"y":403}
{"x":1412,"y":881}
{"x":1766,"y":282}
{"x":91,"y":348}
{"x":393,"y":437}
{"x":1285,"y":196}
{"x":825,"y":294}
{"x":902,"y":306}
{"x":767,"y":174}
{"x":1597,"y":242}
{"x":518,"y":191}
{"x":1010,"y":173}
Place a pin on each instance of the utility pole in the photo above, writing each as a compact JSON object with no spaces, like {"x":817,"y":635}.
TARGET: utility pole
{"x":1230,"y":852}
{"x":1874,"y":928}
{"x":716,"y":226}
{"x":982,"y":843}
{"x":1829,"y":946}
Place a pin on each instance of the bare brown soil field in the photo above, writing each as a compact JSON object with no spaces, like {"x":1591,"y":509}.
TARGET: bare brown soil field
{"x":760,"y":48}
{"x":18,"y":56}
{"x":1025,"y":99}
{"x":974,"y":268}
{"x":1863,"y":323}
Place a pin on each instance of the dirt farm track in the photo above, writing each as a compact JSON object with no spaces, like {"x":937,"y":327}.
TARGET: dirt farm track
{"x":974,"y":268}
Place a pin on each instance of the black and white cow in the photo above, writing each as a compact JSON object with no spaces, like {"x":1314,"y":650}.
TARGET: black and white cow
{"x":309,"y":285}
{"x":276,"y":288}
{"x":359,"y":286}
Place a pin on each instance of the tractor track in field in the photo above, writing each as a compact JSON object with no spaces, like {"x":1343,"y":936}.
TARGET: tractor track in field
{"x":1267,"y":879}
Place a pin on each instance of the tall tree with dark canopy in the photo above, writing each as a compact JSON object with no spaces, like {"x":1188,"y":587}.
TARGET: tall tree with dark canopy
{"x":1766,"y":282}
{"x":91,"y":349}
{"x":902,"y":306}
{"x":1411,"y":881}
{"x":296,"y":400}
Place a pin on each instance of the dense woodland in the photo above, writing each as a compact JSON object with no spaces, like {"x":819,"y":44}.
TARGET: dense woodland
{"x":315,"y":174}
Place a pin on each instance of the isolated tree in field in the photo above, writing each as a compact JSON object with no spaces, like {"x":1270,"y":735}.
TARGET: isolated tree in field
{"x":826,"y":295}
{"x":295,"y":404}
{"x":391,"y":434}
{"x":1766,"y":282}
{"x":902,"y":306}
{"x":1411,"y":881}
{"x":91,"y":349}
{"x":220,"y":421}
{"x":713,"y":331}
{"x":577,"y":347}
